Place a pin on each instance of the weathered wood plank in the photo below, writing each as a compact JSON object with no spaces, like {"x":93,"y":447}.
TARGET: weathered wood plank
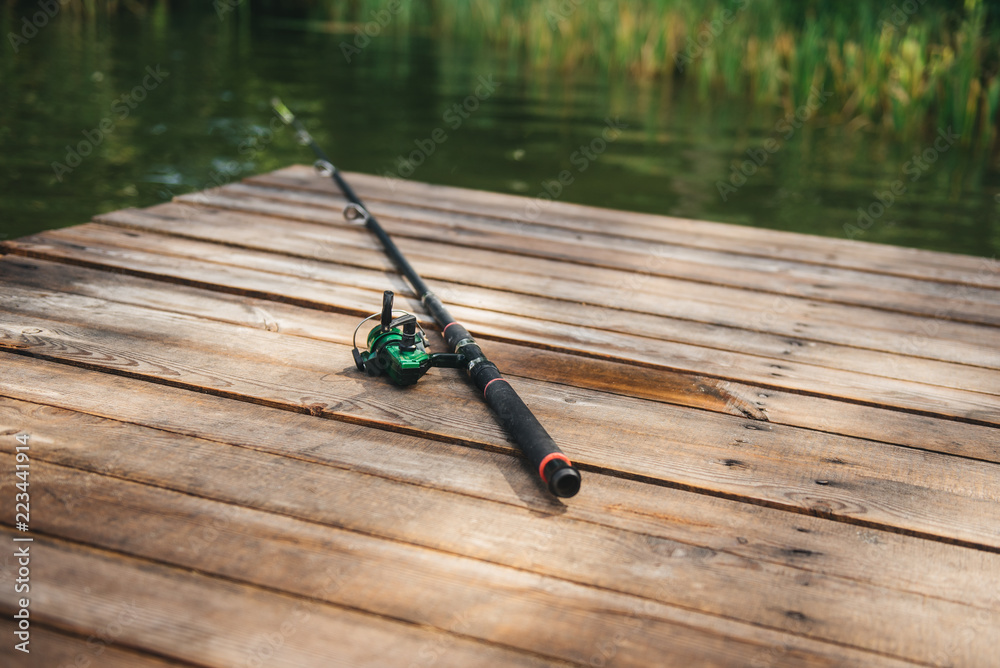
{"x":357,"y":247}
{"x":912,"y":491}
{"x":595,"y":374}
{"x":509,"y":211}
{"x":214,"y":622}
{"x":963,"y":303}
{"x":787,"y":375}
{"x":605,"y":375}
{"x":778,"y":314}
{"x":779,"y":275}
{"x":705,"y":514}
{"x":754,"y":532}
{"x":911,"y":627}
{"x":501,"y":605}
{"x":50,"y":648}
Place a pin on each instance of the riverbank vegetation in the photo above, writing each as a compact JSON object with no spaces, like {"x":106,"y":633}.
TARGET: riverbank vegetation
{"x":905,"y":67}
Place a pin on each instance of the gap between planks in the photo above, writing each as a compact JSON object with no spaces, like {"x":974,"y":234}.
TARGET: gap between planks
{"x":687,"y":264}
{"x":114,"y":571}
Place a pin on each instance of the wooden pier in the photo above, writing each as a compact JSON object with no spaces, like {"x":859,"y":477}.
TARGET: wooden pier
{"x":790,"y":445}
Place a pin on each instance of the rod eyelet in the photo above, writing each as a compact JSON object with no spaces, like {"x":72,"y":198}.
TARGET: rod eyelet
{"x":323,"y":168}
{"x":355,"y":212}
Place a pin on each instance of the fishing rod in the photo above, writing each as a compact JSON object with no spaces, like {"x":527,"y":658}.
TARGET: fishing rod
{"x":398,"y":349}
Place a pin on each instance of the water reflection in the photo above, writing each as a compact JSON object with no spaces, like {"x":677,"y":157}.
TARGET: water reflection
{"x":209,"y":122}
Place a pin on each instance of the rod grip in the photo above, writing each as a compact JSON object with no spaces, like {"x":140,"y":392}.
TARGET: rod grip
{"x":546,"y":459}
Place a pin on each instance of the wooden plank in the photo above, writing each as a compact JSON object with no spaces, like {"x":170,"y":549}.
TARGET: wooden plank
{"x":783,"y":304}
{"x":773,"y":274}
{"x":748,"y":531}
{"x":50,"y":647}
{"x":656,"y":384}
{"x":509,"y":210}
{"x":213,"y":622}
{"x":967,"y":344}
{"x":358,"y":248}
{"x":912,"y":491}
{"x":503,"y":606}
{"x":908,"y":626}
{"x":692,"y":301}
{"x":963,"y":303}
{"x":626,"y":524}
{"x":595,"y":374}
{"x":957,"y":376}
{"x":788,"y":375}
{"x":753,"y":532}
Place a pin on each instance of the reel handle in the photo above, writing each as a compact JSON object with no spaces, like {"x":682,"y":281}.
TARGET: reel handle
{"x":409,"y":334}
{"x":387,"y":297}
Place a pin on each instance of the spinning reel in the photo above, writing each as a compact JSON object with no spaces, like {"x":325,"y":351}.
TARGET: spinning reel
{"x":397,"y":347}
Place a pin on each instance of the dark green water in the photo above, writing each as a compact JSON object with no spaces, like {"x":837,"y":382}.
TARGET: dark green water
{"x":208,"y":120}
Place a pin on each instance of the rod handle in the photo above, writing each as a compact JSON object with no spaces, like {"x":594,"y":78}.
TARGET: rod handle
{"x":544,"y":456}
{"x":546,"y":459}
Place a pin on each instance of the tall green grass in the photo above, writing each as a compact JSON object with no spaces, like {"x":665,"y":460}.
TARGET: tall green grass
{"x":900,"y":66}
{"x":904,"y":66}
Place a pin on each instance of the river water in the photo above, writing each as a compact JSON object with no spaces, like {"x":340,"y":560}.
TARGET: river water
{"x":117,"y":112}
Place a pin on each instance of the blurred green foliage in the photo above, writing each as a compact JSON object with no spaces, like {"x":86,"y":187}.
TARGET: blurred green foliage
{"x":906,"y":66}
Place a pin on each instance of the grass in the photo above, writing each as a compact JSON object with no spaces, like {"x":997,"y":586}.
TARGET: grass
{"x":905,"y":67}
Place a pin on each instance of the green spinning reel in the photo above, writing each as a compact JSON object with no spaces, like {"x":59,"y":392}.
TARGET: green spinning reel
{"x":397,"y":347}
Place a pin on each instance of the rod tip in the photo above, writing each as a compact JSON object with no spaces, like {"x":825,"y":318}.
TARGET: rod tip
{"x":282,"y":110}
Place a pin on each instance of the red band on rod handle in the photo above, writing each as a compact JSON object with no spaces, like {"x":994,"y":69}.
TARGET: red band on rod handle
{"x":549,"y":458}
{"x":491,"y":382}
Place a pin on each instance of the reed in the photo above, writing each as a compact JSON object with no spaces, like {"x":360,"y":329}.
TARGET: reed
{"x":898,"y":66}
{"x":905,"y":67}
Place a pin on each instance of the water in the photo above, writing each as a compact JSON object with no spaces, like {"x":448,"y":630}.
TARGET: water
{"x":208,"y":121}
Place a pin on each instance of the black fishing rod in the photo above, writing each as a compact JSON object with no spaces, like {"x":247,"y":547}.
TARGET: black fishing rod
{"x":396,"y":348}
